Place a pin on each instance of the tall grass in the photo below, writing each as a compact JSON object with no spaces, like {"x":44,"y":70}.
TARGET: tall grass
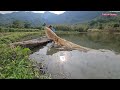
{"x":17,"y":36}
{"x":2,"y":29}
{"x":14,"y":62}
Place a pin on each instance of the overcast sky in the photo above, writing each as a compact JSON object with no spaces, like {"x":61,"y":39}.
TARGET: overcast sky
{"x":56,"y":12}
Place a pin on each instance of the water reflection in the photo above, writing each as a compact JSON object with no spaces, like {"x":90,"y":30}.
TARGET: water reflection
{"x":64,"y":56}
{"x":100,"y":63}
{"x":96,"y":40}
{"x":76,"y":65}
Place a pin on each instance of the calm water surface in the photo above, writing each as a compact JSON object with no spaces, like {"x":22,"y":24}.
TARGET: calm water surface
{"x":103,"y":62}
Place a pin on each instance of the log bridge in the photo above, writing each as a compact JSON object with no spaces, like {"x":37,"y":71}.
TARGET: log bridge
{"x":32,"y":43}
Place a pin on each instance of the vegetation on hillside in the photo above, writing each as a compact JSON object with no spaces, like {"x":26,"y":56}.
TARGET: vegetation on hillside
{"x":106,"y":23}
{"x":93,"y":21}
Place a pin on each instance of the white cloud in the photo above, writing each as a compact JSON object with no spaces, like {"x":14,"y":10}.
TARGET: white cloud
{"x":4,"y":12}
{"x":56,"y":12}
{"x":38,"y":11}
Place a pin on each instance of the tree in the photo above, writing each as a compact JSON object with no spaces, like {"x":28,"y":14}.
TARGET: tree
{"x":27,"y":25}
{"x":116,"y":25}
{"x":17,"y":24}
{"x":100,"y":26}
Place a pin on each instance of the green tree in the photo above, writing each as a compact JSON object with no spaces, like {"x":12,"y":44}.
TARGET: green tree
{"x":100,"y":26}
{"x":27,"y":25}
{"x":116,"y":25}
{"x":17,"y":24}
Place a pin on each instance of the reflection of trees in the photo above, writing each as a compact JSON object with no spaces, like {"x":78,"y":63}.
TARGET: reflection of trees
{"x":96,"y":40}
{"x":106,"y":40}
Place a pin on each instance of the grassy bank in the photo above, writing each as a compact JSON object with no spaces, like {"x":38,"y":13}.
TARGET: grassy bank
{"x":14,"y":62}
{"x":10,"y":37}
{"x":3,"y":29}
{"x":90,"y":26}
{"x":67,"y":32}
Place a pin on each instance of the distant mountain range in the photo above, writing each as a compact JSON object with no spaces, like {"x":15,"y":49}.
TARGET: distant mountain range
{"x":68,"y":17}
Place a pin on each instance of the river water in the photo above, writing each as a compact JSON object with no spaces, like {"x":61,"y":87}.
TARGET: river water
{"x":101,"y":63}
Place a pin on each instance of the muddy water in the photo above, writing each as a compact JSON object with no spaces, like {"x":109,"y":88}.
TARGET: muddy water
{"x":102,"y":63}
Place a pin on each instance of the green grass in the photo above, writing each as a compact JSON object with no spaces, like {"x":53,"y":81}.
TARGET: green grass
{"x":18,"y":36}
{"x":2,"y":29}
{"x":14,"y":62}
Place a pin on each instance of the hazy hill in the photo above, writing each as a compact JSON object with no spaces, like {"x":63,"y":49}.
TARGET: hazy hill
{"x":69,"y":17}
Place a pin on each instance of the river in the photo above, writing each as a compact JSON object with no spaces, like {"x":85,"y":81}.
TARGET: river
{"x":101,"y":63}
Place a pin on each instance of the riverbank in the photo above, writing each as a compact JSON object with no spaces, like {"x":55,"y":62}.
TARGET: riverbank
{"x":14,"y":62}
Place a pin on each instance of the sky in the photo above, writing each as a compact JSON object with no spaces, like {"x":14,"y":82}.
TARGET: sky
{"x":56,"y":12}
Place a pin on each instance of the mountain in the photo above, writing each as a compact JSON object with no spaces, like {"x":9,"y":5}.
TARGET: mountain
{"x":71,"y":17}
{"x":49,"y":17}
{"x":33,"y":18}
{"x":79,"y":16}
{"x":68,"y":17}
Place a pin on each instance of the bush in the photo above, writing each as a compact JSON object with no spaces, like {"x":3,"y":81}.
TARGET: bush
{"x":14,"y":63}
{"x":0,"y":28}
{"x":116,"y":25}
{"x":63,"y":27}
{"x":78,"y":27}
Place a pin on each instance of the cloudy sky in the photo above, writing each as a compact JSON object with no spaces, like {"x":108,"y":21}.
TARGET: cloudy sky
{"x":56,"y":12}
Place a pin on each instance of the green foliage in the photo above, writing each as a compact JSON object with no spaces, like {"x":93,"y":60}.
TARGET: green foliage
{"x":14,"y":62}
{"x":100,"y":26}
{"x":40,"y":28}
{"x":78,"y":27}
{"x":27,"y":25}
{"x":63,"y":27}
{"x":16,"y":36}
{"x":17,"y":24}
{"x":116,"y":25}
{"x":18,"y":30}
{"x":106,"y":23}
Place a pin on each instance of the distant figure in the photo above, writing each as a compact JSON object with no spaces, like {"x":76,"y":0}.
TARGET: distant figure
{"x":44,"y":24}
{"x":52,"y":28}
